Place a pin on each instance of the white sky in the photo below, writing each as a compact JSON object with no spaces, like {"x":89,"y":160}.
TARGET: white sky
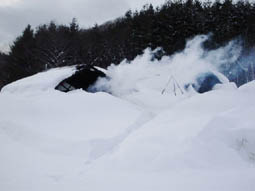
{"x":16,"y":14}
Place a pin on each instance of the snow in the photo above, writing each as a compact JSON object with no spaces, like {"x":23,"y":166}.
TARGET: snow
{"x":133,"y":139}
{"x":44,"y":81}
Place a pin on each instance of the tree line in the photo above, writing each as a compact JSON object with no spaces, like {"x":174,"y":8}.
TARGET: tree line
{"x":168,"y":26}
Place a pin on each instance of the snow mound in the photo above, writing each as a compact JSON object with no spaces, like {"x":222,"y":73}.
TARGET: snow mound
{"x":44,"y":81}
{"x":248,"y":88}
{"x":233,"y":131}
{"x":210,"y":120}
{"x":136,"y":138}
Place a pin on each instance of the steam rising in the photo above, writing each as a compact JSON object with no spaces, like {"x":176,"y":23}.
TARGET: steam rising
{"x":145,"y":74}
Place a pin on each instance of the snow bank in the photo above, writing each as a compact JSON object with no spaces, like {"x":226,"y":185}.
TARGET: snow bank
{"x":135,"y":139}
{"x":43,"y":131}
{"x":156,"y":144}
{"x":205,"y":142}
{"x":44,"y":81}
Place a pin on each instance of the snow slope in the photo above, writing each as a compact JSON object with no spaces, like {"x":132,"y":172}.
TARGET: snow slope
{"x":136,"y":139}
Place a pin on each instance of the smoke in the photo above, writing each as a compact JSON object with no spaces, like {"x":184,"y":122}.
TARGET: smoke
{"x":145,"y":74}
{"x":243,"y":70}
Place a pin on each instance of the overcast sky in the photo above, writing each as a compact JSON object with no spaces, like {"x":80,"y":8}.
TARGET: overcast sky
{"x":16,"y":14}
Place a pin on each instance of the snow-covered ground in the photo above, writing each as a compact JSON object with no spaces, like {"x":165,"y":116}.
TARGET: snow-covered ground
{"x":135,"y":139}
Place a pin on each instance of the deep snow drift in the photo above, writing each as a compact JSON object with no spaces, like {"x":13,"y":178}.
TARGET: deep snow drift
{"x":135,"y":139}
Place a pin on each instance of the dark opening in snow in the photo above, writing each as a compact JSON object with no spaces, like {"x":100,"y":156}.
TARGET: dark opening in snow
{"x":205,"y":82}
{"x":83,"y":78}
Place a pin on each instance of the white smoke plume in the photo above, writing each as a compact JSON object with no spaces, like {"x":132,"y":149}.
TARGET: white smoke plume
{"x":147,"y":74}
